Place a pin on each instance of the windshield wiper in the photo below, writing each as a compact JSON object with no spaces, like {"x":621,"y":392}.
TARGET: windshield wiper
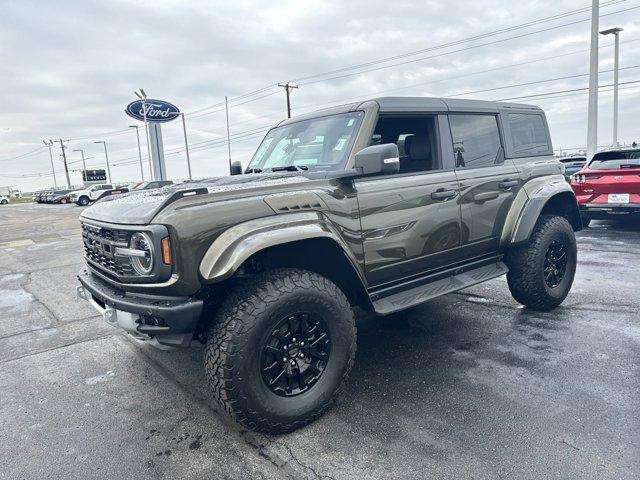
{"x":253,"y":170}
{"x":290,"y":168}
{"x":630,"y":165}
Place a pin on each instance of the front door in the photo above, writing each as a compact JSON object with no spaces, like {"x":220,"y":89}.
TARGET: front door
{"x":488,"y":181}
{"x":410,"y":220}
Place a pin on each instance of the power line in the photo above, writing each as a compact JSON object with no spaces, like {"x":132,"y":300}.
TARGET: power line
{"x":568,"y":77}
{"x":458,"y":42}
{"x":27,"y":154}
{"x":564,"y":91}
{"x":471,"y":47}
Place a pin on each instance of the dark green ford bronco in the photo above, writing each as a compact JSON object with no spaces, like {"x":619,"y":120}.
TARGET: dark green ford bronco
{"x":383,"y":204}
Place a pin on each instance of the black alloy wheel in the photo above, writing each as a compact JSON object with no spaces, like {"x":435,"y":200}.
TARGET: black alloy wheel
{"x":555,"y":263}
{"x":279,"y":349}
{"x":295,"y":354}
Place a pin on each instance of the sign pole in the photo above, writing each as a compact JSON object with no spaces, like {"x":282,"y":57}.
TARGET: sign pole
{"x":186,"y":144}
{"x":146,"y":132}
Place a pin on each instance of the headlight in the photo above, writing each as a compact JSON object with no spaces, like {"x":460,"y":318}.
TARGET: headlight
{"x":142,"y":262}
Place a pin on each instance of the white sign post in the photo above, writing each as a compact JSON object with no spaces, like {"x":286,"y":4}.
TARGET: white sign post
{"x":157,"y":151}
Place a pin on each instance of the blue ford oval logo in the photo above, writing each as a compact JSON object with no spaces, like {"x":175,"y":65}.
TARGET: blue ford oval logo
{"x":155,"y":110}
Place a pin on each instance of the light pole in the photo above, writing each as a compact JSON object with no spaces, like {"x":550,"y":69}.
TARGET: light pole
{"x":226,"y":107}
{"x":592,"y":116}
{"x":84,"y":166}
{"x":139,"y":150}
{"x":615,"y":31}
{"x":106,"y":155}
{"x":186,"y":144}
{"x":143,"y":96}
{"x":49,"y":144}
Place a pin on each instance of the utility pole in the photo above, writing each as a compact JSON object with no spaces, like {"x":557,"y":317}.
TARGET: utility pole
{"x":615,"y":31}
{"x":106,"y":156}
{"x":66,"y":169}
{"x":84,"y":165}
{"x":139,"y":150}
{"x":226,"y":106}
{"x":186,"y":144}
{"x":592,"y":118}
{"x":49,"y":144}
{"x":287,"y":88}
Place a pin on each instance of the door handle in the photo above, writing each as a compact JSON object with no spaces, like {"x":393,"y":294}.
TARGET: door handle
{"x":443,"y":194}
{"x":508,"y":183}
{"x":485,"y":196}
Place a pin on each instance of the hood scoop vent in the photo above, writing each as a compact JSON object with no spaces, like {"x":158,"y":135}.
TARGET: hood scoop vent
{"x":295,"y":202}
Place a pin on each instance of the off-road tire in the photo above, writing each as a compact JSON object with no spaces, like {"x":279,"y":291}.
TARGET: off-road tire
{"x":83,"y":201}
{"x":526,"y":265}
{"x":235,"y":341}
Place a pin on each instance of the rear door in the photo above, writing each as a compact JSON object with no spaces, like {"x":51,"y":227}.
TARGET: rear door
{"x":488,"y":181}
{"x":410,"y":220}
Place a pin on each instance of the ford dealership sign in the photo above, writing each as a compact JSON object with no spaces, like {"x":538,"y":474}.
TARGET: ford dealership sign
{"x":156,"y":110}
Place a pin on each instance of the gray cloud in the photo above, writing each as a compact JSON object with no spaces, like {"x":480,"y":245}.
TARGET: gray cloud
{"x":70,"y":67}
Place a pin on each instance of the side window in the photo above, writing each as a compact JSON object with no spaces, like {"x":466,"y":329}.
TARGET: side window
{"x":415,"y":137}
{"x":528,"y":134}
{"x":476,"y":140}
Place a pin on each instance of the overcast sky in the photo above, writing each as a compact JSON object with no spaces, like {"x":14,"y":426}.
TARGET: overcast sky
{"x":70,"y":67}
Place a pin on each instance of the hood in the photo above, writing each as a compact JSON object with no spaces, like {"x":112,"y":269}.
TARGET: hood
{"x":139,"y":208}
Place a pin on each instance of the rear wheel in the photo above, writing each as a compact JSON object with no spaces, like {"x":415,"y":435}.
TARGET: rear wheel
{"x":4,"y":201}
{"x":63,"y":200}
{"x":541,"y":272}
{"x":280,"y":350}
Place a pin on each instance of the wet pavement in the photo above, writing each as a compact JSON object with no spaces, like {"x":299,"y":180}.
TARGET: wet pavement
{"x":470,"y":385}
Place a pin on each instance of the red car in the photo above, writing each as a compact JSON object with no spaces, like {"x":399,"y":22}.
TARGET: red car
{"x":608,"y":185}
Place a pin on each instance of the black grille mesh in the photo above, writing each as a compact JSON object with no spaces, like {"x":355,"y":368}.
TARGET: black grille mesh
{"x":99,"y":250}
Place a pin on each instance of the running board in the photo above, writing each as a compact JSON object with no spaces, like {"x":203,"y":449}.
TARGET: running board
{"x":417,"y":295}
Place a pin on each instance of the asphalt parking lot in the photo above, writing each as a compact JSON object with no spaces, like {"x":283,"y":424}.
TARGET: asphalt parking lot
{"x":468,"y":386}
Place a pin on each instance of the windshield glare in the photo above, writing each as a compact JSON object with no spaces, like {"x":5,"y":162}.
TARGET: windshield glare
{"x":616,"y":159}
{"x":319,"y":143}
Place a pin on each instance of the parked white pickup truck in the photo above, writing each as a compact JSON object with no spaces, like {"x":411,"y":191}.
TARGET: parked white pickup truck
{"x":89,"y":194}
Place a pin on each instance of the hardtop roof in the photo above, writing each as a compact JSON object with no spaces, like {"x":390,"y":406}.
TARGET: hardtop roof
{"x":416,"y":104}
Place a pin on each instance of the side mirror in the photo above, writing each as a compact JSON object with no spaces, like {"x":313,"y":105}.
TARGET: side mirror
{"x":378,"y":159}
{"x":236,"y":168}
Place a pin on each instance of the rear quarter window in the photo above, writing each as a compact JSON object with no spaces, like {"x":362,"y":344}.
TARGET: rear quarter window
{"x":528,"y":134}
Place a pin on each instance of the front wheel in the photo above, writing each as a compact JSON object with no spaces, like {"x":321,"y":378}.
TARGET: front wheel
{"x":83,"y":201}
{"x":541,"y":272}
{"x":280,"y":350}
{"x":63,"y":201}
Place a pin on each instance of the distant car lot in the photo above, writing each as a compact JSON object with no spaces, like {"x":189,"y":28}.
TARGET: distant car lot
{"x":470,"y":385}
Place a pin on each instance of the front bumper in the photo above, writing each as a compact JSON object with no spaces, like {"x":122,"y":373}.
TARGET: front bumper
{"x":604,"y":209}
{"x":167,"y":321}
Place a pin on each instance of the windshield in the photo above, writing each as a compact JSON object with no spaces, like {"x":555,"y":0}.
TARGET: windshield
{"x":141,"y":186}
{"x":318,"y":143}
{"x":616,"y":159}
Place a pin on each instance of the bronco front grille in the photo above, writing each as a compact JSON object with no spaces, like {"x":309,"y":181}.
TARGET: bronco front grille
{"x":99,"y":250}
